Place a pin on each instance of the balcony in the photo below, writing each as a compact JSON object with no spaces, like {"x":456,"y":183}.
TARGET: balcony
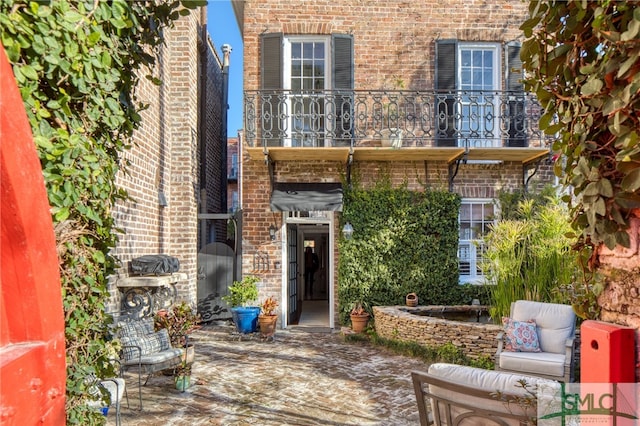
{"x":394,"y":125}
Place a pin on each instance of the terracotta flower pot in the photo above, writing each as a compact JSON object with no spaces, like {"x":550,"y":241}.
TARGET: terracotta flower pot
{"x":359,"y":322}
{"x":267,"y":325}
{"x":412,"y":300}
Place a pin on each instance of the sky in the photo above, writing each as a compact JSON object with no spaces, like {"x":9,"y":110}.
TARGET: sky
{"x":223,"y":29}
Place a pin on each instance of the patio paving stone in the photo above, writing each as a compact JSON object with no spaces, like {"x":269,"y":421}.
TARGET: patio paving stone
{"x":299,"y":378}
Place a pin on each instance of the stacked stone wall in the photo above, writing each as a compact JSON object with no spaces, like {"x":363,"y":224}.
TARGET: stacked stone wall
{"x":474,"y":339}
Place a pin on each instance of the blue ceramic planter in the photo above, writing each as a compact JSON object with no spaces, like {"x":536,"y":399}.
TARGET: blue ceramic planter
{"x":246,"y":319}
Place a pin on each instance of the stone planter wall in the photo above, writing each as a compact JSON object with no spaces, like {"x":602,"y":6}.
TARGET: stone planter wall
{"x":475,"y":339}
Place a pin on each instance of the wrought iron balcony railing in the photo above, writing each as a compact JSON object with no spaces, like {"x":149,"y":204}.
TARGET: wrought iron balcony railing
{"x":401,"y":118}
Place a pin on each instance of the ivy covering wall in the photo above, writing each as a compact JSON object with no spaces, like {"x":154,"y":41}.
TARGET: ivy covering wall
{"x":77,"y":64}
{"x":403,"y":242}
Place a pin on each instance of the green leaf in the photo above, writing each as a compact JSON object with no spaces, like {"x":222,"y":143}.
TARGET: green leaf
{"x":632,"y":31}
{"x":627,"y":200}
{"x":623,"y":239}
{"x":592,"y":87}
{"x":591,"y":189}
{"x":610,"y":241}
{"x":62,"y":214}
{"x":118,"y":23}
{"x":605,"y":188}
{"x":71,"y":49}
{"x":600,"y":207}
{"x":29,"y":72}
{"x":631,"y":182}
{"x":72,"y":16}
{"x":611,"y":106}
{"x":99,"y":257}
{"x":94,"y":37}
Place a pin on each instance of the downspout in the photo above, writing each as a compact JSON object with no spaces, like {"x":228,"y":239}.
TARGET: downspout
{"x":226,"y":52}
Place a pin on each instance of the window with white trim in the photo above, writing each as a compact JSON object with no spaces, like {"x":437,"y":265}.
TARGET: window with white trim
{"x":476,"y":216}
{"x":479,"y":71}
{"x":307,"y":66}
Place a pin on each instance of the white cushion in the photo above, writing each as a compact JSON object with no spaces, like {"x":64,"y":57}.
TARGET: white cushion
{"x":555,"y":322}
{"x":547,"y":363}
{"x":488,"y":380}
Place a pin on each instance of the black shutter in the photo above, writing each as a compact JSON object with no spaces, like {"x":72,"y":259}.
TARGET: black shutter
{"x":343,"y":77}
{"x":271,"y":72}
{"x":271,"y":61}
{"x":516,"y":96}
{"x":445,"y":85}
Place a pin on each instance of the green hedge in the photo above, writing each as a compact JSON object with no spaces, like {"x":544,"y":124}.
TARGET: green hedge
{"x":403,"y":242}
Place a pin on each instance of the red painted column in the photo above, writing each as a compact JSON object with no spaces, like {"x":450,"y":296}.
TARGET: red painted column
{"x":32,"y":342}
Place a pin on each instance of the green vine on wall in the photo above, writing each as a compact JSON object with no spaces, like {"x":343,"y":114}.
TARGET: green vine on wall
{"x":403,"y":242}
{"x":582,"y":62}
{"x":77,"y":64}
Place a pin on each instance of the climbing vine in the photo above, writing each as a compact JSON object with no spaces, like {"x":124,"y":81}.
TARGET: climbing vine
{"x":403,"y":242}
{"x":582,"y":60}
{"x":77,"y":64}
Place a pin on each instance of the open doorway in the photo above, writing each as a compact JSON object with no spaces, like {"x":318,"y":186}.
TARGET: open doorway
{"x":309,"y":274}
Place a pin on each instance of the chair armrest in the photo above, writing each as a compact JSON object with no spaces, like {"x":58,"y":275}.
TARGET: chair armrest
{"x":139,"y":354}
{"x":569,"y":359}
{"x":500,"y":339}
{"x":569,"y":351}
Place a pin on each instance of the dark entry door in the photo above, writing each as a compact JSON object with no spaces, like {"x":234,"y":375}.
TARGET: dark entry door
{"x":292,"y":274}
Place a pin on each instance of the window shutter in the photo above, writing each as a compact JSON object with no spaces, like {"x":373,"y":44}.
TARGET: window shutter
{"x":271,"y":72}
{"x":342,"y":61}
{"x":343,"y":84}
{"x":514,"y":68}
{"x":271,"y":61}
{"x":445,"y":82}
{"x":515,"y":87}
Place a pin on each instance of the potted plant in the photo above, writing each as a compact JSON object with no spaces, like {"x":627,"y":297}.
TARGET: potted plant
{"x":359,"y":317}
{"x":182,"y":374}
{"x":241,"y":294}
{"x":268,"y":318}
{"x":179,"y":320}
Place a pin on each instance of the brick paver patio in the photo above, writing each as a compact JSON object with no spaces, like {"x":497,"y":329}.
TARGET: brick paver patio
{"x":300,"y":378}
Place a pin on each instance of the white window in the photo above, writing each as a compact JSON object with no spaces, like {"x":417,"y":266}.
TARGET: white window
{"x":478,"y":79}
{"x":476,"y":216}
{"x":307,"y":75}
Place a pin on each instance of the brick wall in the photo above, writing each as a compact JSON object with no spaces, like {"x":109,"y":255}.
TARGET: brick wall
{"x":619,"y":300}
{"x":165,"y":157}
{"x":393,"y":39}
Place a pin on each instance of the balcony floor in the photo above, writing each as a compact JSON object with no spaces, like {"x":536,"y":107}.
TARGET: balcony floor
{"x":445,"y":154}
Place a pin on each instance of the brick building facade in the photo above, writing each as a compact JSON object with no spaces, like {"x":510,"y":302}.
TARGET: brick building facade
{"x":175,"y":161}
{"x":318,"y":70}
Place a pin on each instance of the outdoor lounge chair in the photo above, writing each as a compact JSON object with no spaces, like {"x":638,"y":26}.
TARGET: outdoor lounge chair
{"x":555,"y":330}
{"x":448,"y":395}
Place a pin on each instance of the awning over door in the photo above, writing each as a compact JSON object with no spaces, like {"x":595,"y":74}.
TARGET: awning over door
{"x":298,"y":196}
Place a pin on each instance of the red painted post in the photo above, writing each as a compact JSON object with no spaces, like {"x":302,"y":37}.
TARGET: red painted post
{"x":32,"y":342}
